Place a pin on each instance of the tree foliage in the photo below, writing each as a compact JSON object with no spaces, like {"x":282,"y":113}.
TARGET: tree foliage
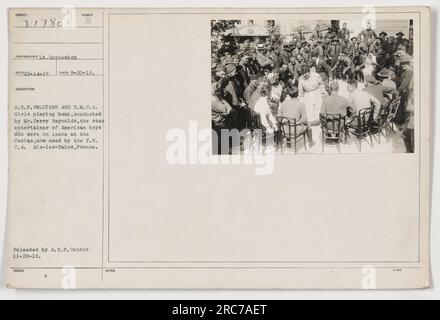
{"x":221,"y":26}
{"x":274,"y":31}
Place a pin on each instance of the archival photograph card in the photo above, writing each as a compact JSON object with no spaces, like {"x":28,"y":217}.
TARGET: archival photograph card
{"x":311,"y":170}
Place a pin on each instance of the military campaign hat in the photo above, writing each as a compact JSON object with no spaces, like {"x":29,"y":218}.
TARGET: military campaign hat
{"x":384,"y":73}
{"x":400,"y":33}
{"x":405,"y":59}
{"x":370,"y":79}
{"x":383,"y":33}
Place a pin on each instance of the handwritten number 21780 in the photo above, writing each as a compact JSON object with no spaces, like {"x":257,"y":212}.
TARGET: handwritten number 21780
{"x":44,"y":23}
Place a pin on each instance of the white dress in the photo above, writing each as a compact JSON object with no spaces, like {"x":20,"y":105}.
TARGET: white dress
{"x":370,"y":63}
{"x":263,"y":109}
{"x":311,"y":95}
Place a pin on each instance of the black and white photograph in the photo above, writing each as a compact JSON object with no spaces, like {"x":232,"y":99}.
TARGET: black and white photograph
{"x":312,"y":86}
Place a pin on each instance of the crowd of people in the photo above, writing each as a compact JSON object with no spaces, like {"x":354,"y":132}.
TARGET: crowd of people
{"x":299,"y":78}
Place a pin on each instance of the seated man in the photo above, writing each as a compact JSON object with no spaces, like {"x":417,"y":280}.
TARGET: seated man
{"x":292,"y":108}
{"x":359,"y":100}
{"x":378,"y":90}
{"x":297,"y":67}
{"x":342,"y":66}
{"x":386,"y":77}
{"x":262,"y":107}
{"x":284,"y":75}
{"x":334,"y":104}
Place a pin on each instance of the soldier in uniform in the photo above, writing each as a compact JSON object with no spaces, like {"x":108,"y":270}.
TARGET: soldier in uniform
{"x":291,"y":66}
{"x":245,"y":46}
{"x":344,"y":33}
{"x":284,"y":75}
{"x":368,"y":33}
{"x":323,"y":69}
{"x":381,"y":56}
{"x":275,"y":56}
{"x":405,"y":87}
{"x":222,"y":115}
{"x":298,"y":49}
{"x":301,"y":34}
{"x":292,"y":43}
{"x":317,"y":33}
{"x":375,"y":46}
{"x":393,"y":45}
{"x":399,"y":39}
{"x":342,"y":67}
{"x":382,"y":36}
{"x":333,"y":53}
{"x":332,"y":33}
{"x":346,"y":45}
{"x":261,"y":57}
{"x":378,"y":90}
{"x":355,"y":47}
{"x":357,"y":66}
{"x":306,"y":52}
{"x":386,"y":78}
{"x":286,"y":53}
{"x":299,"y":64}
{"x":253,"y":65}
{"x":319,"y":49}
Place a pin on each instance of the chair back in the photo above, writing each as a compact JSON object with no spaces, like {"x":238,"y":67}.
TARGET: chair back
{"x":332,"y":125}
{"x":254,"y":121}
{"x":394,"y":108}
{"x":365,"y":119}
{"x":288,"y":127}
{"x":384,"y":113}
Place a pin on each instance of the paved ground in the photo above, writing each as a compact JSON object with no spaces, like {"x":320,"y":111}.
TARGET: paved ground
{"x":394,"y":144}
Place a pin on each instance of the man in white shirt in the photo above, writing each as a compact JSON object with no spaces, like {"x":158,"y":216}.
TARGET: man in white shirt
{"x":262,"y":107}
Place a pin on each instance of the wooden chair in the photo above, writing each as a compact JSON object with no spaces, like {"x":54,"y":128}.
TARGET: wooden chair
{"x":333,"y":129}
{"x":394,"y":108}
{"x":361,"y":126}
{"x":292,"y":131}
{"x":381,"y":123}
